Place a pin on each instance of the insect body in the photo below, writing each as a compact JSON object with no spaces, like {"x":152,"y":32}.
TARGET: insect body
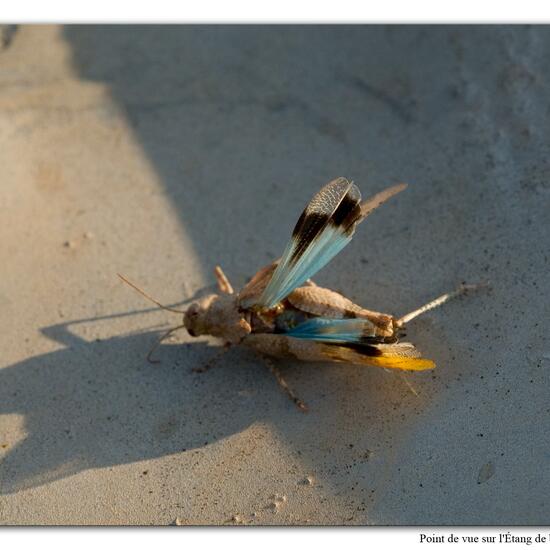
{"x":281,"y":312}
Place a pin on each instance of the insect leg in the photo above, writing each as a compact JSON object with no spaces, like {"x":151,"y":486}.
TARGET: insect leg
{"x":223,"y":282}
{"x":207,"y":366}
{"x":282,"y":382}
{"x":462,"y":289}
{"x":158,"y":342}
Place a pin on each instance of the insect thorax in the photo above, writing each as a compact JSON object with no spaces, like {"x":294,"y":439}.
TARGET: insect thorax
{"x":279,"y":319}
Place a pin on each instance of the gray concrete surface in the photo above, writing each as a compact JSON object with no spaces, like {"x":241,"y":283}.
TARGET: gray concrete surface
{"x":159,"y":152}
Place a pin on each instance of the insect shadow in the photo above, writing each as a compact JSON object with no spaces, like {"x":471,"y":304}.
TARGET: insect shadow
{"x":100,"y":404}
{"x":96,"y":404}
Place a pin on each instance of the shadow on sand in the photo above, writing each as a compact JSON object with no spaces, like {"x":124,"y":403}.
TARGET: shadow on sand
{"x":210,"y":107}
{"x":129,"y":410}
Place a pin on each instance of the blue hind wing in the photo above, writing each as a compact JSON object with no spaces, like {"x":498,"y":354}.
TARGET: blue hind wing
{"x":325,"y":227}
{"x":321,"y":329}
{"x":288,"y":277}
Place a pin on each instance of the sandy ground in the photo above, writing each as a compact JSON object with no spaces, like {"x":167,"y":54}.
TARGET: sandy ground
{"x":159,"y":152}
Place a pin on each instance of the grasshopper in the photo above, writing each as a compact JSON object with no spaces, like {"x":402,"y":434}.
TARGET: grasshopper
{"x":282,"y":313}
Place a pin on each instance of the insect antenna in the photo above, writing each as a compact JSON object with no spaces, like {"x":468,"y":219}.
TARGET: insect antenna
{"x":150,"y":298}
{"x":168,"y":332}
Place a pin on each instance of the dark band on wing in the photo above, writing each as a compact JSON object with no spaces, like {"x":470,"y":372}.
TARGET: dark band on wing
{"x":348,"y":211}
{"x":370,"y":340}
{"x":364,"y":349}
{"x":380,"y":347}
{"x":309,"y":225}
{"x":325,"y":209}
{"x":323,"y":230}
{"x":386,"y":348}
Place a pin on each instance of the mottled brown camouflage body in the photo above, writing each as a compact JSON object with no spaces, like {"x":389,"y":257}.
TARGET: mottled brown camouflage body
{"x":225,"y":317}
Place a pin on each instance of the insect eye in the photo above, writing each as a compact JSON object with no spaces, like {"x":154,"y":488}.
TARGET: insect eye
{"x":192,"y":311}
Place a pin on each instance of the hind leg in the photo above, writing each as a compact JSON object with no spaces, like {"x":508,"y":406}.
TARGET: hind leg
{"x":462,"y":289}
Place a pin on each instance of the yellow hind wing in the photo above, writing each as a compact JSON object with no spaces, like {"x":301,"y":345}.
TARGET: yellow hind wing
{"x":402,"y":363}
{"x":402,"y":356}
